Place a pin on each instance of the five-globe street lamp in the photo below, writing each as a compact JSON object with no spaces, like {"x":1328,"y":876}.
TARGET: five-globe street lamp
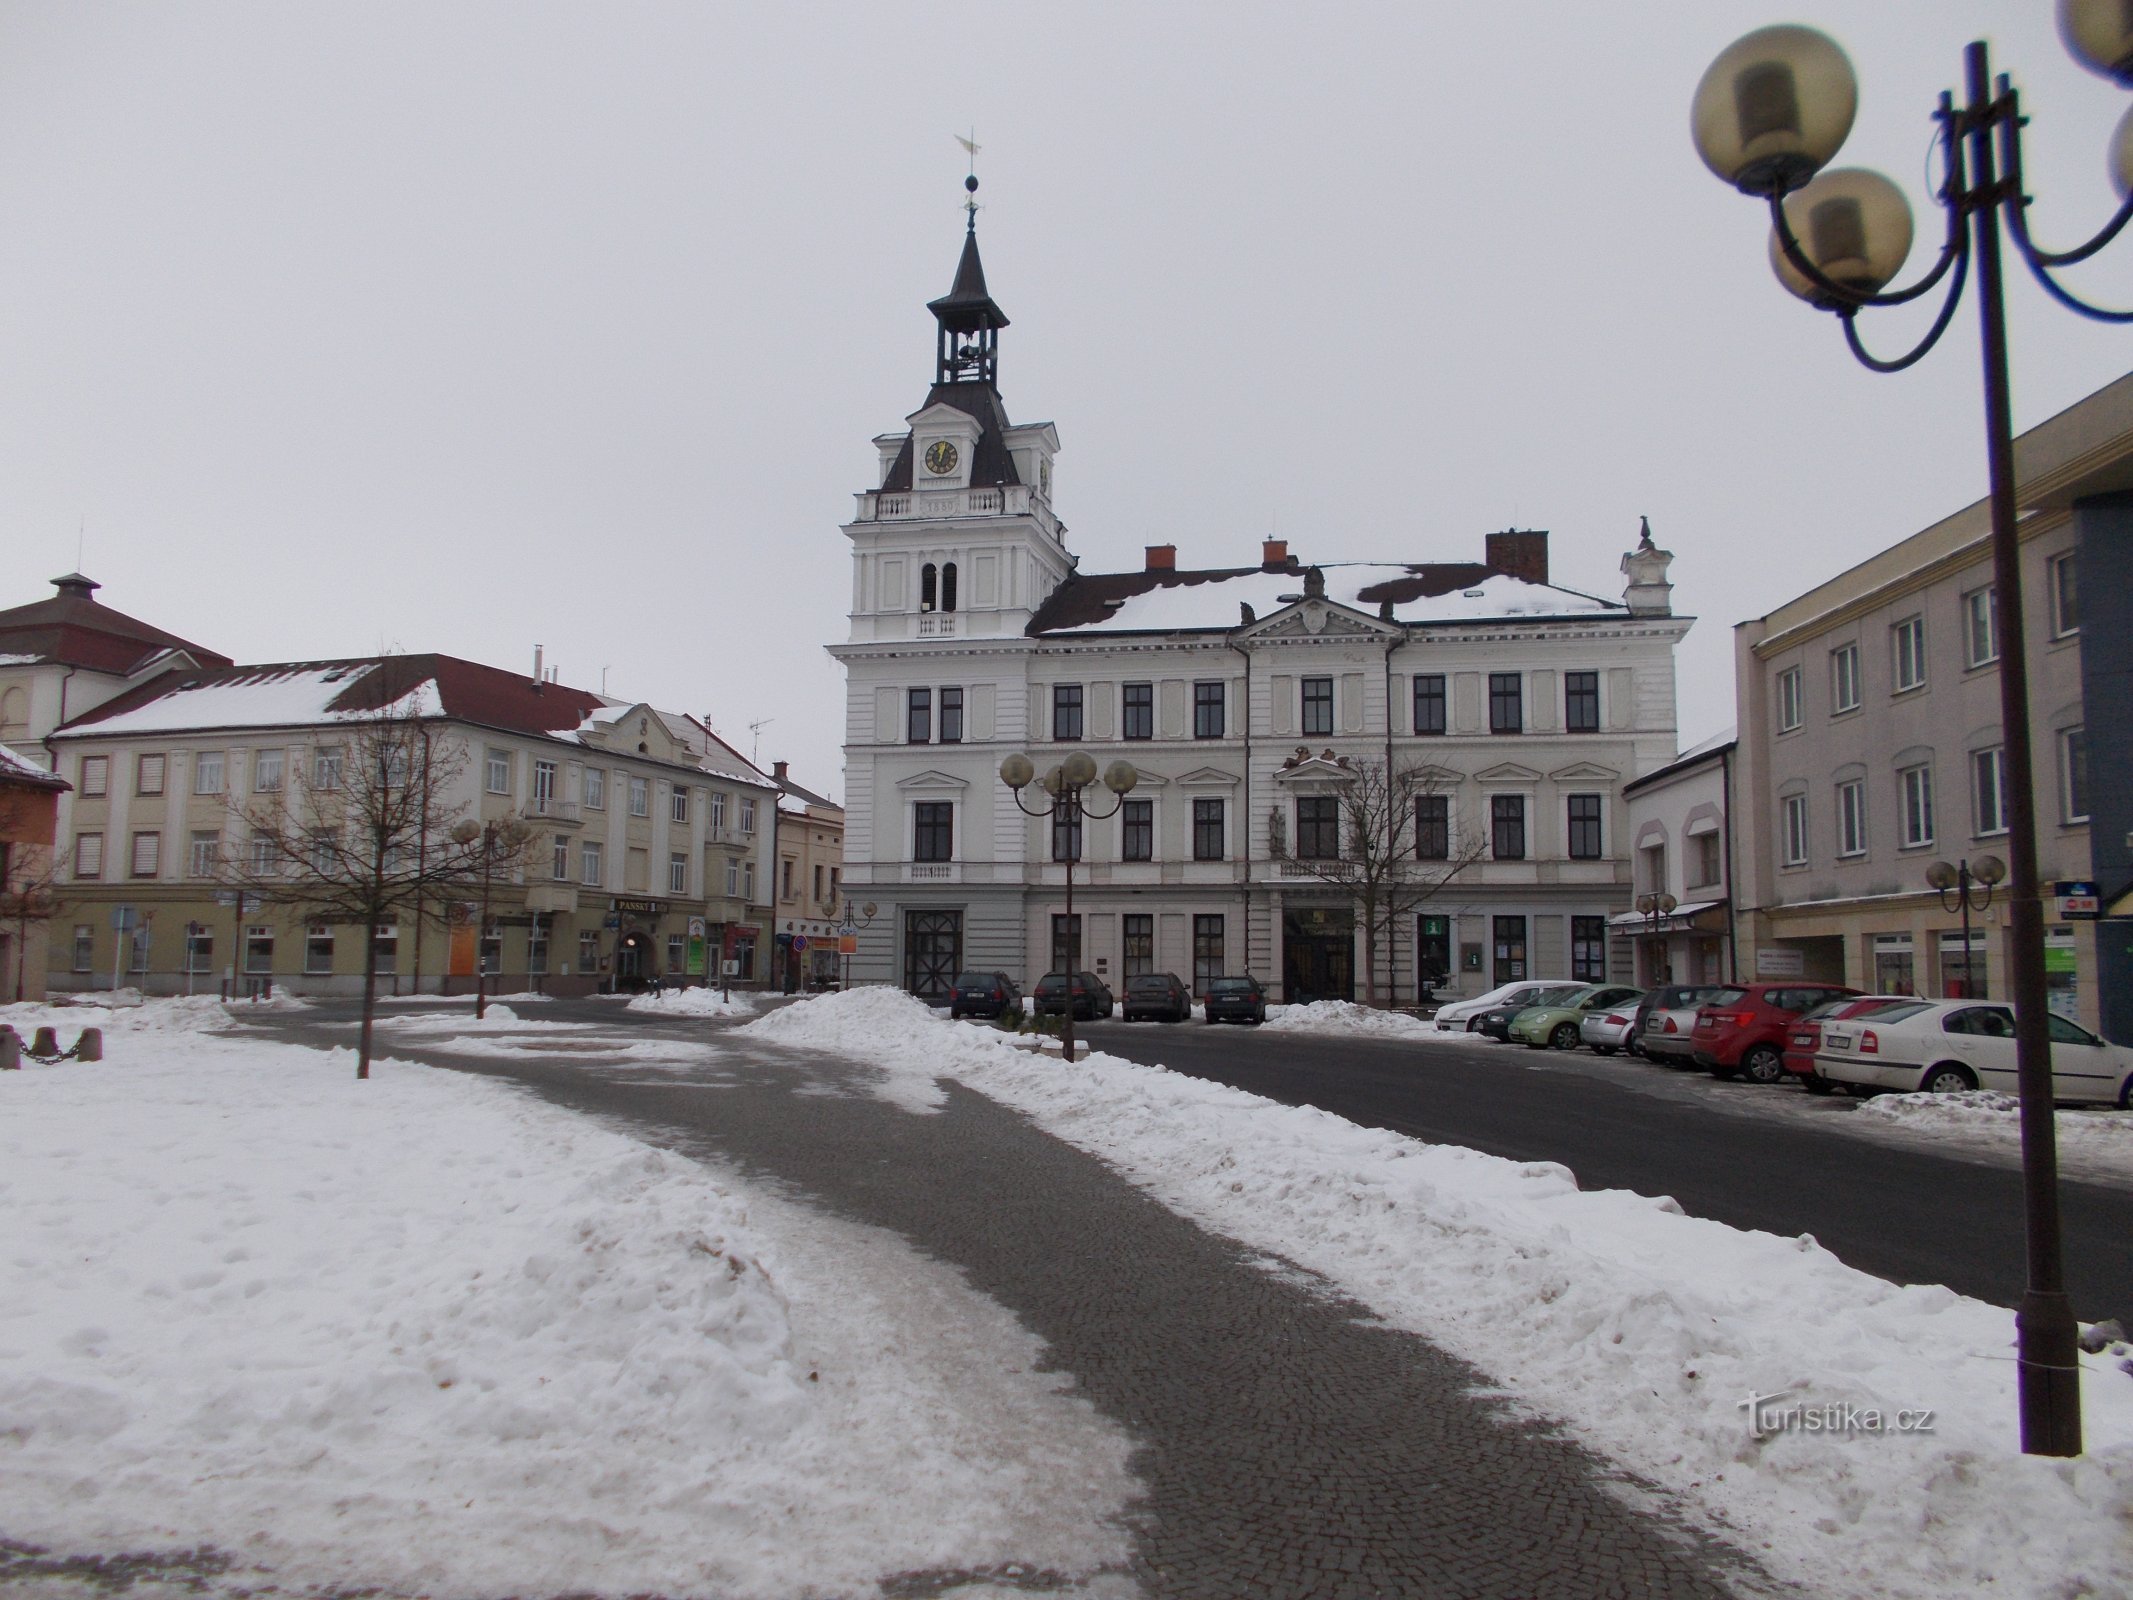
{"x":1770,"y":113}
{"x":1657,"y":908}
{"x":1065,"y":784}
{"x":1971,"y":885}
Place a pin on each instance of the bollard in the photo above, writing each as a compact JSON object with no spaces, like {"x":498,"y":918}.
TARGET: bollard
{"x":10,"y":1049}
{"x":90,"y":1046}
{"x":46,"y":1044}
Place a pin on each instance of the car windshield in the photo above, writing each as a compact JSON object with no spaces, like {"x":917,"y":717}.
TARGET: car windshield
{"x":1894,"y":1010}
{"x":1717,"y":997}
{"x":1230,"y":986}
{"x":976,"y":980}
{"x":1562,"y":994}
{"x":1052,"y":980}
{"x":1148,"y":983}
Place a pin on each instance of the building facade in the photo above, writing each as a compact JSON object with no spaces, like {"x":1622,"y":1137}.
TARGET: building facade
{"x":810,"y":903}
{"x":1243,"y":696}
{"x":1681,"y":841}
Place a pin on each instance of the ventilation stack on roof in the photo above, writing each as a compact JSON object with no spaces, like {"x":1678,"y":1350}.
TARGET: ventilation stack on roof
{"x":1162,"y":558}
{"x":1519,"y":554}
{"x":1273,"y":553}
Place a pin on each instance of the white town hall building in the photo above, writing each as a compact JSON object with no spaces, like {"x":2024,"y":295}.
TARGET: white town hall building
{"x":1233,"y":692}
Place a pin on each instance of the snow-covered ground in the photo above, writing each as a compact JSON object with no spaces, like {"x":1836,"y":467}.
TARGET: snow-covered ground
{"x":2090,"y":1142}
{"x":1345,"y":1017}
{"x":430,"y":1334}
{"x":1642,"y":1328}
{"x":696,"y":1003}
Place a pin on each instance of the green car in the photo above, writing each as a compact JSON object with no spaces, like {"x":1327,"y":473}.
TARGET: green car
{"x":1557,"y":1025}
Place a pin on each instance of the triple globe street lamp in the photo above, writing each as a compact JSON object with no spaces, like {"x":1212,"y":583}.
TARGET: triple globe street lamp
{"x":1770,"y":113}
{"x":1971,"y":884}
{"x":1656,"y":909}
{"x":490,"y":843}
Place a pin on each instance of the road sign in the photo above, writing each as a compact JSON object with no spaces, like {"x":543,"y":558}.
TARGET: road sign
{"x":225,"y":897}
{"x":799,"y":942}
{"x":2077,"y":899}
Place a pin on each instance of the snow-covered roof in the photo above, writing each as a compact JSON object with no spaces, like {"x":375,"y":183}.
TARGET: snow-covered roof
{"x":19,"y":768}
{"x":17,"y":658}
{"x":267,"y":697}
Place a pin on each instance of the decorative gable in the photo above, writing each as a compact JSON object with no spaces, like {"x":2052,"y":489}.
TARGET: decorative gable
{"x":1508,"y":772}
{"x":1585,"y":772}
{"x":933,"y":779}
{"x":1318,"y":619}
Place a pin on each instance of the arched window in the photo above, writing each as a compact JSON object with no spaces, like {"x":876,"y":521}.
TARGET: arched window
{"x":948,"y":587}
{"x":927,"y":592}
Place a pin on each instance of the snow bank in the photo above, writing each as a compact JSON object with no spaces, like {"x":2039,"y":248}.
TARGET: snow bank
{"x":1643,"y":1328}
{"x":1342,"y":1016}
{"x":694,"y":1003}
{"x":2097,"y":1141}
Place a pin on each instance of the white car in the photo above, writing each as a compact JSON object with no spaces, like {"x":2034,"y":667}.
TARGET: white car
{"x":1461,"y":1015}
{"x":1947,"y":1046}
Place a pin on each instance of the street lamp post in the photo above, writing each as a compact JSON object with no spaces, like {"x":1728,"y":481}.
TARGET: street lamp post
{"x":1770,"y":113}
{"x":492,"y":839}
{"x":1964,"y":881}
{"x":863,"y":917}
{"x":1657,"y":908}
{"x":1065,"y":784}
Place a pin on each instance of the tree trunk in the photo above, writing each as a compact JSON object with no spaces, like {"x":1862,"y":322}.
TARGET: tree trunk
{"x":1370,"y":958}
{"x":370,"y":998}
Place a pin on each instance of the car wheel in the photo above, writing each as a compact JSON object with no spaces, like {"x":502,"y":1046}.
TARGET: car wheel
{"x":1763,"y":1065}
{"x":1565,"y":1036}
{"x":1815,"y":1083}
{"x":1473,"y":1026}
{"x":2125,"y":1095}
{"x":1947,"y":1078}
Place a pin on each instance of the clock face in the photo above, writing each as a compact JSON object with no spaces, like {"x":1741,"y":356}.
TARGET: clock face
{"x":941,"y":457}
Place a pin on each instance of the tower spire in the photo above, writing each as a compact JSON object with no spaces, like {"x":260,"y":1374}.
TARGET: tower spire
{"x":970,"y":320}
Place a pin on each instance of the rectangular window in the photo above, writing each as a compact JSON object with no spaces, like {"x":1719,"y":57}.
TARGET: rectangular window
{"x":266,"y":771}
{"x":818,"y":880}
{"x":1066,"y":711}
{"x":640,"y":797}
{"x":1429,"y":702}
{"x":733,"y":877}
{"x":543,"y":787}
{"x":2074,"y":775}
{"x":748,"y":881}
{"x":88,"y":855}
{"x":716,"y":812}
{"x":1136,"y":830}
{"x":1209,"y":960}
{"x":1654,"y":858}
{"x":1851,"y":818}
{"x":677,"y":951}
{"x":1137,"y":930}
{"x":590,"y":865}
{"x":147,"y":854}
{"x":1988,"y":787}
{"x":1791,"y":700}
{"x":318,"y":948}
{"x":1844,"y":678}
{"x":1208,"y":711}
{"x":1581,"y":702}
{"x":933,"y":830}
{"x":1796,"y":830}
{"x":678,"y":805}
{"x":1507,"y":708}
{"x":1066,"y":945}
{"x":258,"y":949}
{"x":918,"y":716}
{"x":1585,"y":827}
{"x":588,"y":952}
{"x":559,"y":860}
{"x":1318,"y":828}
{"x":326,"y":768}
{"x":785,"y":872}
{"x":204,"y":856}
{"x":596,"y":788}
{"x":951,"y":716}
{"x":537,"y":946}
{"x":1066,"y":833}
{"x":148,"y":775}
{"x":1981,"y":627}
{"x":207,"y":772}
{"x":1909,"y":638}
{"x":1318,"y":705}
{"x":1510,"y":941}
{"x":678,"y":872}
{"x":1507,"y":827}
{"x":1709,"y":859}
{"x":385,"y":940}
{"x":1137,"y":711}
{"x":497,"y":771}
{"x":2059,"y":583}
{"x":1433,"y":827}
{"x":84,"y":947}
{"x":1915,"y":787}
{"x":263,"y":854}
{"x":1207,"y":840}
{"x":1588,"y":949}
{"x":748,"y":813}
{"x":95,"y":776}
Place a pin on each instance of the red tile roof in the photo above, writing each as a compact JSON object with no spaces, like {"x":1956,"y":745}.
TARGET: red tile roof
{"x":74,"y":629}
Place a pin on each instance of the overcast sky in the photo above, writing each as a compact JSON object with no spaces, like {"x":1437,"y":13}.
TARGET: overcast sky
{"x":466,"y":327}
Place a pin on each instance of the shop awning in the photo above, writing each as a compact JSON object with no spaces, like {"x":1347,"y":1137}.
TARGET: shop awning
{"x":1682,"y":919}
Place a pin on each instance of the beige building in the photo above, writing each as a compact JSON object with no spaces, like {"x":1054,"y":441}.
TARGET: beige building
{"x":1681,"y":842}
{"x":810,"y":903}
{"x":1871,"y":744}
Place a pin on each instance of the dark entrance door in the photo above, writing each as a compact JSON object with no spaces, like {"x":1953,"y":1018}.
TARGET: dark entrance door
{"x":933,"y":951}
{"x":633,"y":955}
{"x":1318,"y":955}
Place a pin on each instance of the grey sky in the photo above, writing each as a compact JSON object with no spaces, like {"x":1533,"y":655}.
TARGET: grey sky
{"x":464,"y":327}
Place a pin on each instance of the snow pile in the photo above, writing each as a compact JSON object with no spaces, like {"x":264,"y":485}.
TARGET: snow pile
{"x":694,"y":1003}
{"x":1342,"y":1016}
{"x":460,"y":1019}
{"x":1643,"y":1328}
{"x":884,"y":1027}
{"x":2097,"y":1140}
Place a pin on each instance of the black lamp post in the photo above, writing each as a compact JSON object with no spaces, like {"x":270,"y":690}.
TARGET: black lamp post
{"x":1769,"y":114}
{"x":1065,"y":784}
{"x":854,"y":920}
{"x":1657,"y":908}
{"x":1971,"y":887}
{"x":491,"y":841}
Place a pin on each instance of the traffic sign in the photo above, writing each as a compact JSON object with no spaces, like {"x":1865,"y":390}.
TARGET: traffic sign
{"x":799,"y":942}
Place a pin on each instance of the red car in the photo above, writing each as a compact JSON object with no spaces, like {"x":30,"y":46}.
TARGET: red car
{"x":1741,"y":1031}
{"x":1804,"y":1037}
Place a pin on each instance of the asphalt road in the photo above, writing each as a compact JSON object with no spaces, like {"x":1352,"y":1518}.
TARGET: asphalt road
{"x":1754,"y":1157}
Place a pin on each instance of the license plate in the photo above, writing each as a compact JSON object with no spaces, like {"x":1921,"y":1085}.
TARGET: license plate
{"x":1803,"y":1040}
{"x":1838,"y":1041}
{"x":1654,"y":1024}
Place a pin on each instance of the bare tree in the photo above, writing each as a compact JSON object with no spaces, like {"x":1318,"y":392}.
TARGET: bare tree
{"x":362,"y":836}
{"x":29,"y":876}
{"x":1392,"y":845}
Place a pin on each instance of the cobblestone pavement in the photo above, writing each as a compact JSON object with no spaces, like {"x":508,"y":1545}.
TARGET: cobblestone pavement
{"x":1289,"y":1444}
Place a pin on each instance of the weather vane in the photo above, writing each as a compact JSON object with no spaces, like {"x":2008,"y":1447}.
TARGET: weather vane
{"x":970,"y":184}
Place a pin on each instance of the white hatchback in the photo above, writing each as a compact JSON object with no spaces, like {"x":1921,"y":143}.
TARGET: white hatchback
{"x":1461,"y":1015}
{"x":1946,"y":1046}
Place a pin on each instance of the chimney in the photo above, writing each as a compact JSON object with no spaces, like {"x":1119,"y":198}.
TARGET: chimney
{"x":1273,"y":553}
{"x":539,"y":677}
{"x":777,"y":772}
{"x":1162,"y":558}
{"x":1518,"y":554}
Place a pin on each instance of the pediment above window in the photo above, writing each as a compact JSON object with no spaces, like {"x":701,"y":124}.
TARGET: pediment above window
{"x":933,"y":779}
{"x":1207,"y":778}
{"x":1508,"y":772}
{"x":1585,"y":772}
{"x":1318,"y":619}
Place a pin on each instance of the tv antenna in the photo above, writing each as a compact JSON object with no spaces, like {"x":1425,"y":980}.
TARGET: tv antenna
{"x":755,"y":739}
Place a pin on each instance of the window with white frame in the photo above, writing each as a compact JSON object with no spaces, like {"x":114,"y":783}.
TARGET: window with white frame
{"x":207,"y":772}
{"x":733,"y":877}
{"x":559,"y":859}
{"x":678,"y":805}
{"x":84,"y":946}
{"x":497,"y":770}
{"x":1844,"y":678}
{"x":544,"y":795}
{"x":590,"y":864}
{"x":259,"y":948}
{"x":88,"y":855}
{"x":1851,"y":818}
{"x":715,"y":810}
{"x":318,"y":947}
{"x":1795,"y":830}
{"x":1908,"y":647}
{"x":1914,"y":791}
{"x":1981,"y":627}
{"x":263,"y":854}
{"x":1988,"y":789}
{"x":326,"y":767}
{"x":267,"y":771}
{"x":205,"y":855}
{"x":747,"y":813}
{"x":2074,"y":775}
{"x":748,"y":881}
{"x":678,"y":872}
{"x":640,"y":797}
{"x":95,"y":777}
{"x":1791,"y":700}
{"x":2059,"y":584}
{"x":595,"y":788}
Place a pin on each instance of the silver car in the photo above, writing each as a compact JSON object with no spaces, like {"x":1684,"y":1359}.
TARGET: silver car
{"x":1667,"y":1033}
{"x":1610,"y":1028}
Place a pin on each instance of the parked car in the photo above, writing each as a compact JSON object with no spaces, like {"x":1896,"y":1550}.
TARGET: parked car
{"x":1606,"y":1029}
{"x":1946,"y":1046}
{"x":1666,"y":1021}
{"x":1158,"y":996}
{"x":1495,"y":1023}
{"x":1461,"y":1015}
{"x":1804,"y":1037}
{"x":1091,"y":997}
{"x":983,"y":994}
{"x":1235,"y":1000}
{"x":1555,"y":1025}
{"x":1741,"y":1031}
